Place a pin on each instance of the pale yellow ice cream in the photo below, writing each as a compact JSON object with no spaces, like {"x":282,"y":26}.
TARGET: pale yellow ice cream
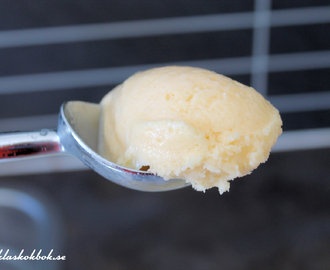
{"x":189,"y":123}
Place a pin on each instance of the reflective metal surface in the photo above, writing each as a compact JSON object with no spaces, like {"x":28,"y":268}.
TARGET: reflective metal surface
{"x":29,"y":144}
{"x":77,"y":134}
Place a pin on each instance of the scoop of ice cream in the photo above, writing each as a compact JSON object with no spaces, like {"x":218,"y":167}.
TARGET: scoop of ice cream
{"x":190,"y":123}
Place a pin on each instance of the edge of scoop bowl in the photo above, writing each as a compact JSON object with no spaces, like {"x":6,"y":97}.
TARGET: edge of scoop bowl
{"x":78,"y":127}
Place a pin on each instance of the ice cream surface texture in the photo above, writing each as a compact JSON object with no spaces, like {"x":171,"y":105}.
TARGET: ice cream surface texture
{"x":189,"y":123}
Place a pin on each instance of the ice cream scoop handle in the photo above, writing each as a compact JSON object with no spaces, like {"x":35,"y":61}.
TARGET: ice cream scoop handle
{"x":29,"y":144}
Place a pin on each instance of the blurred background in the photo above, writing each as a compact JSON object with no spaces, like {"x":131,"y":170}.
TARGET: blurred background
{"x":276,"y":218}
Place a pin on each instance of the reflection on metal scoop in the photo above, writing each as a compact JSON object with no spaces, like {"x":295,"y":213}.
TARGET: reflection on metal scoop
{"x":77,"y":134}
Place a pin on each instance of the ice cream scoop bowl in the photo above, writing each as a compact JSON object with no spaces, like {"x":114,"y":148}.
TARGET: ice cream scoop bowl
{"x":77,"y":134}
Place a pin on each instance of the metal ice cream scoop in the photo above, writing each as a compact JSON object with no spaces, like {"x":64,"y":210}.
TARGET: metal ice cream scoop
{"x":77,"y":134}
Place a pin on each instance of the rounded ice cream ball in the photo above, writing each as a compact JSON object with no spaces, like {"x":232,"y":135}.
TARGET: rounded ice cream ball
{"x":190,"y":123}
